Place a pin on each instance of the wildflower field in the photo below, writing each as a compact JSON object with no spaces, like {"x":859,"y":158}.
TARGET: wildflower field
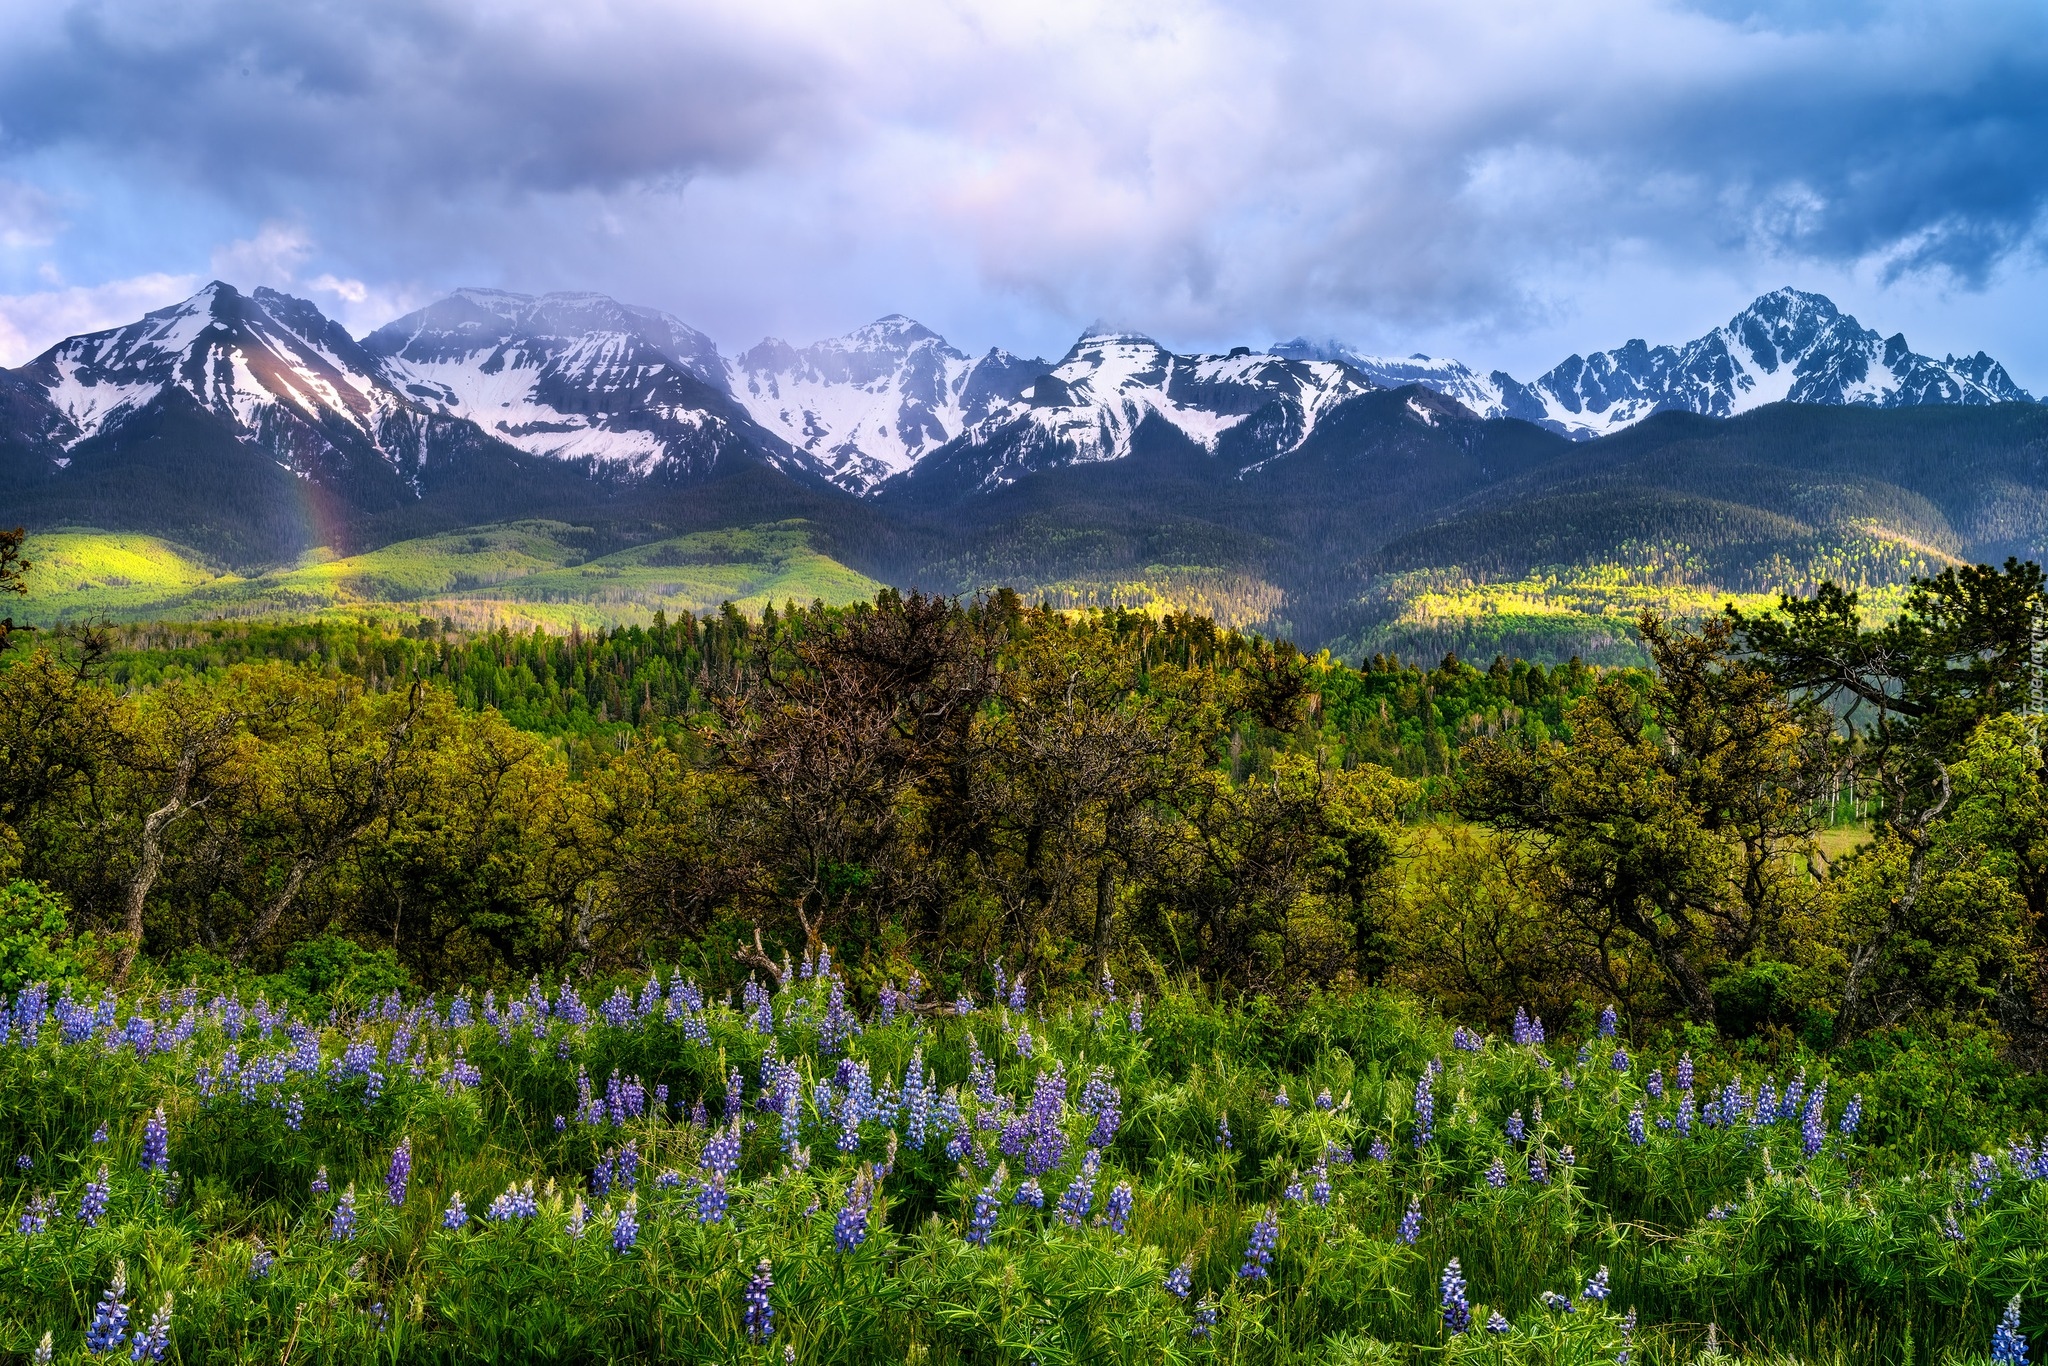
{"x":642,"y":1173}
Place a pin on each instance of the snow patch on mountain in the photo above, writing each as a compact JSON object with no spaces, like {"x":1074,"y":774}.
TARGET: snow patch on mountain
{"x":874,"y":402}
{"x":581,"y":377}
{"x":270,"y":363}
{"x":1092,"y":406}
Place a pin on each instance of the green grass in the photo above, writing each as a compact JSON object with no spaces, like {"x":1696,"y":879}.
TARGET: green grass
{"x":517,"y":574}
{"x":86,"y":572}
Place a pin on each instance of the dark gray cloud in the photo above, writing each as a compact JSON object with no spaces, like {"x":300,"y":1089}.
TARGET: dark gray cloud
{"x":1453,"y":171}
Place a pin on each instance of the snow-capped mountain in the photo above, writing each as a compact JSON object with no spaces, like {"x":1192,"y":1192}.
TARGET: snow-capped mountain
{"x":627,"y":391}
{"x":285,"y":377}
{"x":1112,"y":387}
{"x":872,"y":403}
{"x":1787,"y":346}
{"x":1498,"y":394}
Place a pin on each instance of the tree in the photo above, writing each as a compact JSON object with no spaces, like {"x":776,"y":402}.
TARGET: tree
{"x":1668,"y":818}
{"x":13,"y":578}
{"x":1912,"y":693}
{"x":854,"y":749}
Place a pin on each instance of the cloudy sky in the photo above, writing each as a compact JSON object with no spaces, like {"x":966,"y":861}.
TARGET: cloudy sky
{"x":1502,"y":182}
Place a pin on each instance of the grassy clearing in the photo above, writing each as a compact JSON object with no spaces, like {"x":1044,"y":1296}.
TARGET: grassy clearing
{"x":522,"y":574}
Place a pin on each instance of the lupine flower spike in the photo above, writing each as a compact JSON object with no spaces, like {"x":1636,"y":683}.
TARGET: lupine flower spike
{"x":759,"y":1316}
{"x":156,"y":1143}
{"x":1457,"y":1312}
{"x":109,"y":1326}
{"x":2008,"y":1344}
{"x":1258,"y":1253}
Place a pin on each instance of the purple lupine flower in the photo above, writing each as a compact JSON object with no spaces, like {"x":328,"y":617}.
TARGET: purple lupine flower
{"x":99,"y":1135}
{"x":1654,"y":1084}
{"x":1635,"y":1127}
{"x":455,"y":1216}
{"x":320,"y":1182}
{"x":1795,"y":1093}
{"x":1813,"y":1125}
{"x":1608,"y":1021}
{"x":1280,"y":1101}
{"x":1258,"y":1252}
{"x":260,"y":1263}
{"x":579,"y":1220}
{"x":1180,"y":1282}
{"x":152,"y":1342}
{"x":1950,"y":1229}
{"x":1628,"y":1339}
{"x":1080,"y":1194}
{"x":722,"y":1153}
{"x":851,"y":1230}
{"x":1223,"y":1131}
{"x":109,"y":1326}
{"x":1024,"y":1048}
{"x":1017,"y":997}
{"x":343,"y":1227}
{"x":2008,"y":1344}
{"x":711,"y":1200}
{"x":94,"y":1205}
{"x":1619,"y":1062}
{"x":1425,"y":1109}
{"x":1764,"y":1109}
{"x":1411,"y":1223}
{"x":1514,"y":1128}
{"x":1320,"y":1191}
{"x":988,"y":1204}
{"x":1137,"y":1016}
{"x":1852,"y":1117}
{"x":1465,"y":1041}
{"x":1496,"y":1323}
{"x":1539,"y":1168}
{"x":626,"y":1228}
{"x":35,"y":1217}
{"x":1685,"y":1072}
{"x":516,"y":1203}
{"x":1030,"y":1193}
{"x":1497,"y":1174}
{"x":759,"y":1315}
{"x":1983,"y":1171}
{"x":1378,"y":1152}
{"x":1596,"y":1289}
{"x":400,"y":1174}
{"x":1205,"y":1319}
{"x":1457,"y":1313}
{"x":1118,"y":1210}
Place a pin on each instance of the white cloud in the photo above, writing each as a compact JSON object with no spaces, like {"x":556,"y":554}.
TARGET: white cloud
{"x":272,"y":257}
{"x":31,"y":323}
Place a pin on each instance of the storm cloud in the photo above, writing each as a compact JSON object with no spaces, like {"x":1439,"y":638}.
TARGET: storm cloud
{"x":1455,"y":174}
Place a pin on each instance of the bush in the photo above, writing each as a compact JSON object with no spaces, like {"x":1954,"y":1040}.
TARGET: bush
{"x":35,"y":937}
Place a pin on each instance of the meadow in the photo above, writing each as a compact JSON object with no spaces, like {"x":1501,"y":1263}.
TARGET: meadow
{"x":515,"y":574}
{"x":836,"y":1168}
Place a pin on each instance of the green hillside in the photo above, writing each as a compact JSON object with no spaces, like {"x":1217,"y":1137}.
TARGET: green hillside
{"x":514,"y":573}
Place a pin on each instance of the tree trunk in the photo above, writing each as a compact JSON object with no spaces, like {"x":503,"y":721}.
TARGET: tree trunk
{"x":1105,"y":908}
{"x":152,"y":860}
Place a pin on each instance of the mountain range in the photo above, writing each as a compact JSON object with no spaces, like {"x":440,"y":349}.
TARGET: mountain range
{"x":1295,"y":483}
